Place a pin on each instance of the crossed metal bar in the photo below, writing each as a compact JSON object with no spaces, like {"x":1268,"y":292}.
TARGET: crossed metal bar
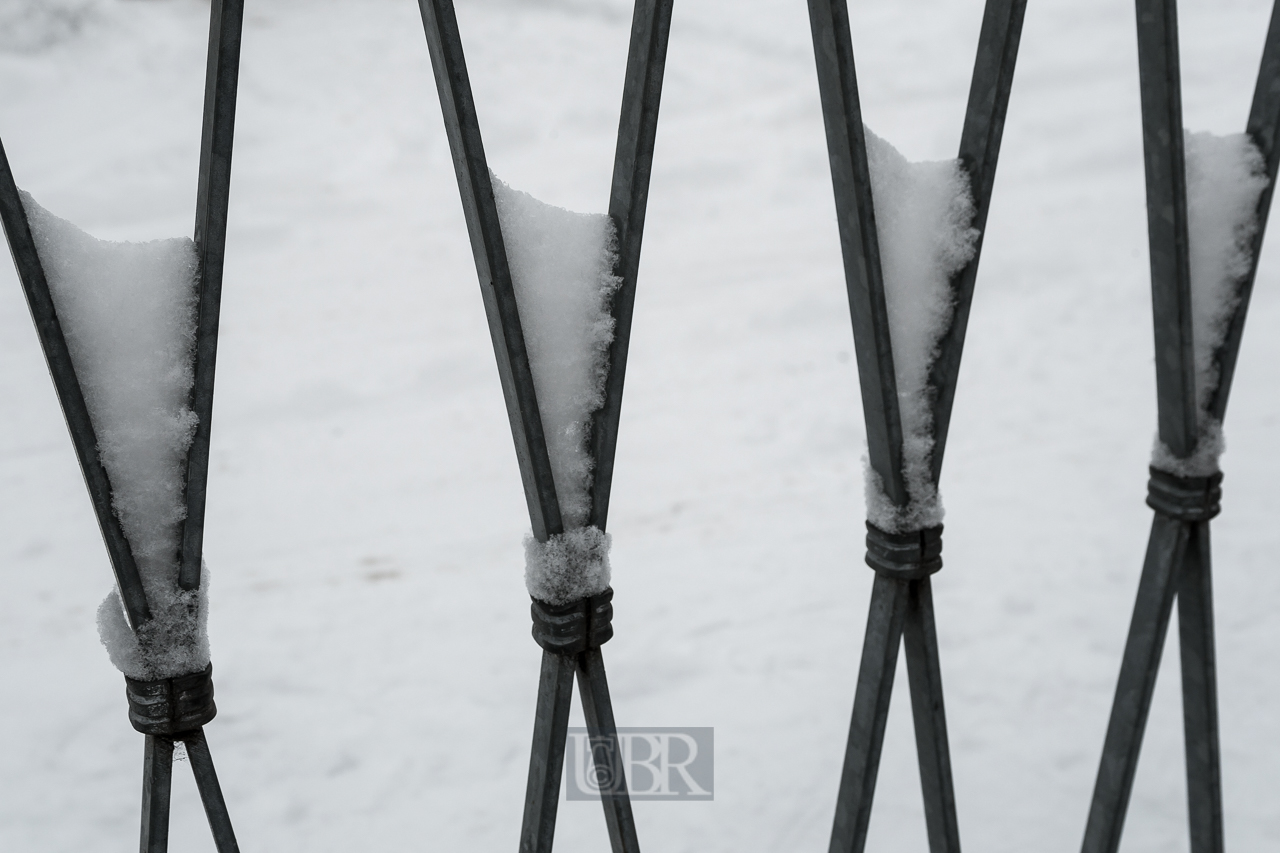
{"x":633,"y":160}
{"x":226,"y":17}
{"x":1177,"y":563}
{"x":902,"y":607}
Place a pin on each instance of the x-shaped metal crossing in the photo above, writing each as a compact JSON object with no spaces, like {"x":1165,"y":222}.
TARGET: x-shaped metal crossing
{"x":901,"y":597}
{"x":175,"y":709}
{"x":570,"y":635}
{"x":1177,"y":563}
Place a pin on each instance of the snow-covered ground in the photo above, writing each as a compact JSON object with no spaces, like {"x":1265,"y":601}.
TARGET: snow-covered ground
{"x":369,"y":622}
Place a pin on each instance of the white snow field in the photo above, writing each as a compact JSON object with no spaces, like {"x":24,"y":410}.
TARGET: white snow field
{"x":369,"y":622}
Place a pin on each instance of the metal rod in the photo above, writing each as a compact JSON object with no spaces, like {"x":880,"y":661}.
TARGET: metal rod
{"x":1139,"y":667}
{"x":546,"y":760}
{"x":979,"y":153}
{"x":1200,"y":694}
{"x":598,"y":710}
{"x":870,"y":712}
{"x":463,"y":129}
{"x":26,"y":259}
{"x":628,"y":199}
{"x":859,"y":244}
{"x":924,"y":672}
{"x":1162,"y":138}
{"x":212,"y":197}
{"x":157,"y":783}
{"x":215,"y":807}
{"x":1263,"y":128}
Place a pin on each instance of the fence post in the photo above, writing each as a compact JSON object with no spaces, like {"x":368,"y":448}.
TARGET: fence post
{"x":901,"y":597}
{"x":1177,"y":565}
{"x":571,"y":635}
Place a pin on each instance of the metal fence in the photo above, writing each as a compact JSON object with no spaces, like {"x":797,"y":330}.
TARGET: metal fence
{"x":902,"y":608}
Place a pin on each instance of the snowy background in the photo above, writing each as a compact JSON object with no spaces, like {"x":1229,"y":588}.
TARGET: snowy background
{"x":370,"y":628}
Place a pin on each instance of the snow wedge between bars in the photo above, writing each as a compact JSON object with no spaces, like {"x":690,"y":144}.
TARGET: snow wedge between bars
{"x":1225,"y":178}
{"x":924,"y":219}
{"x":128,"y":311}
{"x":562,"y":271}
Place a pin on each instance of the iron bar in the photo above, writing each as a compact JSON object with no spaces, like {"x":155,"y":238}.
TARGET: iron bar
{"x":870,"y":713}
{"x":1162,"y":137}
{"x":1200,"y":693}
{"x":637,"y":130}
{"x":598,"y":710}
{"x":212,"y":197}
{"x":1139,"y":667}
{"x":979,"y":152}
{"x":463,"y":129}
{"x":628,"y":199}
{"x":157,"y":784}
{"x":215,"y":807}
{"x":924,"y":672}
{"x":26,"y":258}
{"x":859,"y":243}
{"x":1263,"y":127}
{"x":546,"y":759}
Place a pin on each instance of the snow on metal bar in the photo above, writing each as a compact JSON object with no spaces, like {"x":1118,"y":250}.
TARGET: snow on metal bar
{"x":52,"y":341}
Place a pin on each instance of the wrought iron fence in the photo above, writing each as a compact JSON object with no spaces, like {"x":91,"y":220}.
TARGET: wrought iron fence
{"x":1177,"y":564}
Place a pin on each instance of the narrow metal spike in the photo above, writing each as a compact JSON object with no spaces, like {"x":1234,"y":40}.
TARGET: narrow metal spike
{"x":859,"y":243}
{"x":463,"y":129}
{"x":157,"y":784}
{"x":870,"y":713}
{"x":1200,"y":693}
{"x":979,"y":152}
{"x":1162,"y":138}
{"x":546,"y":759}
{"x":212,"y":197}
{"x":1263,"y":129}
{"x":215,"y":807}
{"x":924,"y":672}
{"x":1139,"y":667}
{"x":598,"y":710}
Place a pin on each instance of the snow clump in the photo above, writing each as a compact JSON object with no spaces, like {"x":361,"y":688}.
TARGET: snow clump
{"x":924,"y":222}
{"x":562,"y":270}
{"x":128,"y":312}
{"x":1225,"y":178}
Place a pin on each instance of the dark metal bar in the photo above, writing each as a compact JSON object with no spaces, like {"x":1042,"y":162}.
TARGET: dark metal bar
{"x":215,"y":807}
{"x":157,"y":783}
{"x":598,"y":710}
{"x":870,"y":713}
{"x":1263,"y":128}
{"x":628,"y":198}
{"x":26,"y":259}
{"x":855,"y":215}
{"x":463,"y":129}
{"x":979,"y":152}
{"x":1166,"y":550}
{"x":546,"y":761}
{"x":924,"y":672}
{"x":1161,"y":88}
{"x":1200,"y":694}
{"x":212,"y":198}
